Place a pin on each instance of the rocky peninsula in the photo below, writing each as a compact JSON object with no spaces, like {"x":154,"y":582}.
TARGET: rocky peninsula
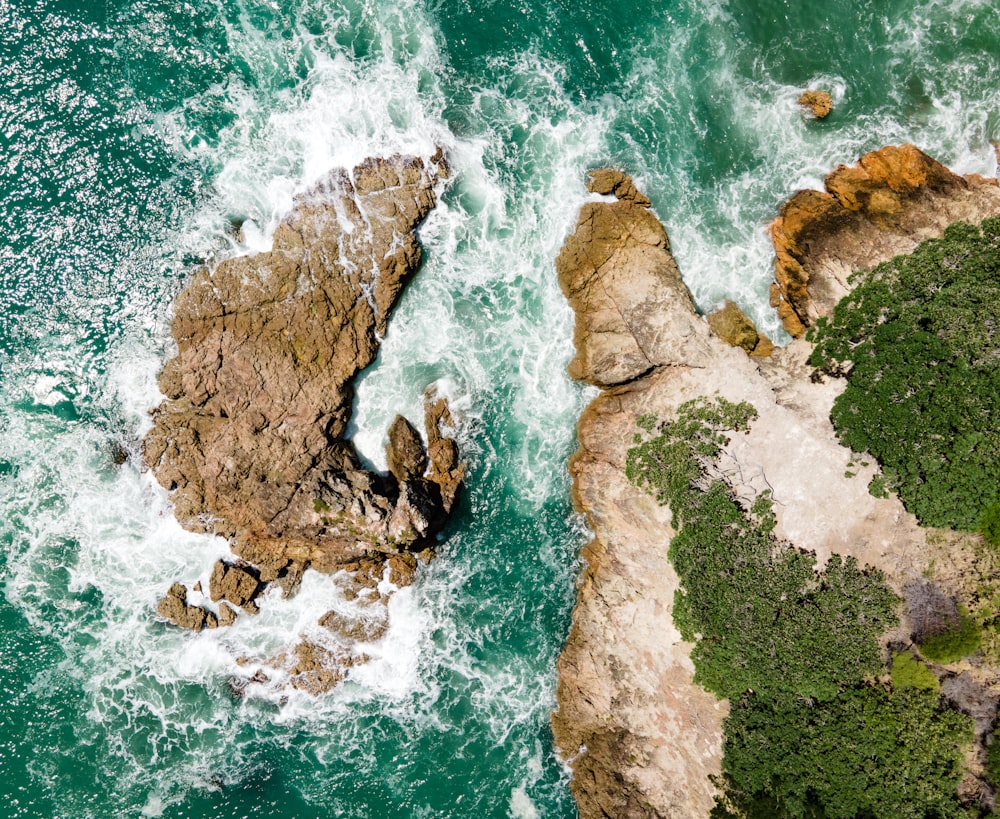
{"x":250,"y":441}
{"x":642,"y":738}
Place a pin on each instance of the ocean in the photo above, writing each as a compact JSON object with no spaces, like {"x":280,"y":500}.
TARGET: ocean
{"x":135,"y":135}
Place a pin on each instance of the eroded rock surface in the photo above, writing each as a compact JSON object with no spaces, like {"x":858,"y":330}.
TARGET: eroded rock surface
{"x":250,"y":439}
{"x":818,"y":103}
{"x":885,"y":205}
{"x":620,"y":330}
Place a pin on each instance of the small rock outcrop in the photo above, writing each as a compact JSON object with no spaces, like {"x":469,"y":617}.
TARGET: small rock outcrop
{"x":884,"y":206}
{"x":236,"y":584}
{"x":818,"y":103}
{"x":174,"y":607}
{"x":732,"y":325}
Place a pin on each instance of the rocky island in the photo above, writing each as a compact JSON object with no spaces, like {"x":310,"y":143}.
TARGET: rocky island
{"x":250,"y":441}
{"x":714,"y":481}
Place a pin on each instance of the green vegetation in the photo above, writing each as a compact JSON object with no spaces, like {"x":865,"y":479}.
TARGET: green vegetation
{"x":869,"y":752}
{"x":993,"y":760}
{"x":920,"y":338}
{"x":954,"y":644}
{"x":990,"y":524}
{"x":796,"y":650}
{"x":909,"y":672}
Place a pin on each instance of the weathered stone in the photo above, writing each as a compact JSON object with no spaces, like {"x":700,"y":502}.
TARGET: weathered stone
{"x":731,"y":325}
{"x":884,"y":206}
{"x":227,"y":614}
{"x":259,"y":396}
{"x":820,"y":103}
{"x":174,"y":607}
{"x":607,"y":181}
{"x":360,"y":629}
{"x":405,"y":453}
{"x":619,"y":276}
{"x":235,"y":583}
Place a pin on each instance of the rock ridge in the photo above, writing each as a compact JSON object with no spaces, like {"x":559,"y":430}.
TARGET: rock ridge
{"x":885,"y":205}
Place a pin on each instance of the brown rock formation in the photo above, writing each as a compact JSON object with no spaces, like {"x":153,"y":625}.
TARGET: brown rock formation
{"x":250,"y":438}
{"x":818,"y":102}
{"x":641,"y":738}
{"x":405,"y":453}
{"x":732,"y":325}
{"x":250,"y":441}
{"x":619,"y":331}
{"x":237,"y":584}
{"x":174,"y":607}
{"x":884,"y":206}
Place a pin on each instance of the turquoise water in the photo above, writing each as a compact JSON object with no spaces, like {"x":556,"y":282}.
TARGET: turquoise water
{"x":133,"y":134}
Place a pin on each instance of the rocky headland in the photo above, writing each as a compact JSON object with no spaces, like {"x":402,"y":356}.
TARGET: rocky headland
{"x":642,"y":739}
{"x":250,"y":441}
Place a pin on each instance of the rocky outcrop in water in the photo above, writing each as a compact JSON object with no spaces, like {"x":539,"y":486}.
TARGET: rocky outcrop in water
{"x":818,"y":103}
{"x":883,"y":206}
{"x":641,"y":738}
{"x":250,"y":440}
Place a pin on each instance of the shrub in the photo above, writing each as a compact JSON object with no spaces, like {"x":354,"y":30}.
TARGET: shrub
{"x":795,"y":650}
{"x":868,"y":752}
{"x":989,"y":525}
{"x":909,"y":672}
{"x":955,"y":643}
{"x":918,"y":338}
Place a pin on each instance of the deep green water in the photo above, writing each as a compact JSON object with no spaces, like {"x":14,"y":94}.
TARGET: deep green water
{"x":131,"y":133}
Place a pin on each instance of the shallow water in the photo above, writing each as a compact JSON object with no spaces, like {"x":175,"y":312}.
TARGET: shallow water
{"x":132,"y":137}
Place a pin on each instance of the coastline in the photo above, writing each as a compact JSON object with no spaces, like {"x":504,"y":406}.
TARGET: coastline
{"x":641,"y":737}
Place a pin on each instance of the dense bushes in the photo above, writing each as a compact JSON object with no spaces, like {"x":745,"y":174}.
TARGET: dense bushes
{"x":920,"y":337}
{"x":868,"y":752}
{"x":795,"y":650}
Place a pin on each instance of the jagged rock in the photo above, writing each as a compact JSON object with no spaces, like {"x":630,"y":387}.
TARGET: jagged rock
{"x":445,"y":469}
{"x":884,"y":206}
{"x":237,"y":584}
{"x":250,"y":437}
{"x":227,"y":614}
{"x":360,"y":629}
{"x":619,"y":276}
{"x":731,"y":325}
{"x":174,"y":607}
{"x":820,"y":103}
{"x":405,"y":453}
{"x":607,"y":181}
